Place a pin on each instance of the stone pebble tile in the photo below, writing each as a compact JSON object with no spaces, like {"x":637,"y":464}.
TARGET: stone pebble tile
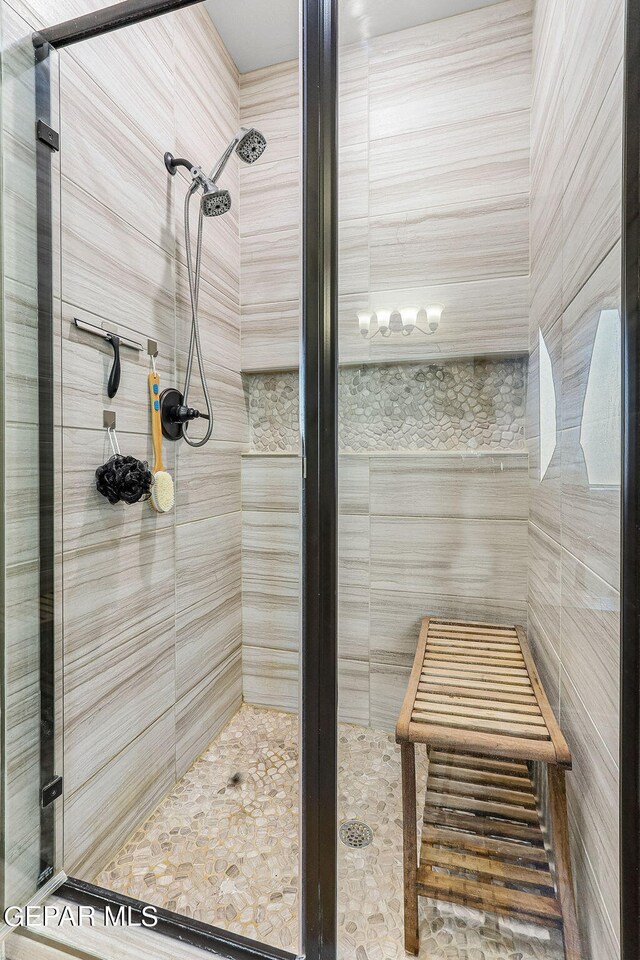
{"x":223,"y":848}
{"x":474,"y":404}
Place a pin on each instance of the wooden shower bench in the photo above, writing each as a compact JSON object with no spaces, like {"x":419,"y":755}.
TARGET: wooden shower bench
{"x":475,"y":699}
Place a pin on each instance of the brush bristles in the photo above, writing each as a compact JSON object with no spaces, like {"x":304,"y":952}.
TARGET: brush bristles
{"x":162,"y":491}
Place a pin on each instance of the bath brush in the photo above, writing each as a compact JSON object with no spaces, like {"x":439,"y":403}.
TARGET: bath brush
{"x":162,"y":488}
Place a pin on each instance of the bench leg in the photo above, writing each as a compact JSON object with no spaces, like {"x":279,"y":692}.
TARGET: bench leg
{"x":560,"y":827}
{"x":410,"y":847}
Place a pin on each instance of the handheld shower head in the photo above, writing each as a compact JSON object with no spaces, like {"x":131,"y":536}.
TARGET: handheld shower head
{"x":251,"y":146}
{"x":248,"y":143}
{"x":215,"y":202}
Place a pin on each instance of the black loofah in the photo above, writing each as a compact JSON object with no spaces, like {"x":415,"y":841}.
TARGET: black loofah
{"x":124,"y":478}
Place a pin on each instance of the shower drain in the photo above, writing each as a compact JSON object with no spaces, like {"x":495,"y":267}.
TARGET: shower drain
{"x":355,"y":833}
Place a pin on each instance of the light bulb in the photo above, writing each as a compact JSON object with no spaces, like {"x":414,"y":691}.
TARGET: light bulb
{"x":384,"y":322}
{"x":364,"y":322}
{"x":409,"y":316}
{"x":434,"y":316}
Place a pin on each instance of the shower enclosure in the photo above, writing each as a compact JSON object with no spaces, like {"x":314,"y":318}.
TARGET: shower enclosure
{"x":407,"y":318}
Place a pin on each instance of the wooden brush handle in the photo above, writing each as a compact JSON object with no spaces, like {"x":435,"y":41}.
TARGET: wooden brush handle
{"x":156,"y":426}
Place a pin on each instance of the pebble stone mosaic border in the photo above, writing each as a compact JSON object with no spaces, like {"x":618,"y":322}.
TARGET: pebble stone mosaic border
{"x":451,"y":405}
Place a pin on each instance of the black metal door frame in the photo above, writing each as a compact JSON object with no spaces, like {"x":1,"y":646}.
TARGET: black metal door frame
{"x":630,"y":521}
{"x":46,"y":463}
{"x":319,"y":439}
{"x":318,"y":377}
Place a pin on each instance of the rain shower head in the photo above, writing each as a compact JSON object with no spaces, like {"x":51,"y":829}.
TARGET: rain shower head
{"x":215,"y":202}
{"x":251,"y":146}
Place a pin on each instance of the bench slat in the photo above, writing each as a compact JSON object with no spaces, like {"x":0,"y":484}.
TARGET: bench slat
{"x":516,"y":730}
{"x":483,"y":791}
{"x":524,"y":854}
{"x":519,"y":782}
{"x":474,"y":683}
{"x":461,"y":689}
{"x":484,"y":826}
{"x":488,"y":868}
{"x":488,"y":763}
{"x":473,"y":673}
{"x":476,"y":741}
{"x":465,"y":666}
{"x":486,"y":896}
{"x":482,"y":656}
{"x":488,"y":808}
{"x":486,"y":712}
{"x":526,"y":709}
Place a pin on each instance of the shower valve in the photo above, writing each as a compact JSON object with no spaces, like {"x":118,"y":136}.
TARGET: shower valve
{"x":182,"y":414}
{"x":174,"y":413}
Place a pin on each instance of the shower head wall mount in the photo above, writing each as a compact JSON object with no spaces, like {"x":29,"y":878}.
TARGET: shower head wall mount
{"x":214,"y":201}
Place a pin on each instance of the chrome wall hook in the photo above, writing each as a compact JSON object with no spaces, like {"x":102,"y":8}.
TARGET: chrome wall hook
{"x":152,"y":350}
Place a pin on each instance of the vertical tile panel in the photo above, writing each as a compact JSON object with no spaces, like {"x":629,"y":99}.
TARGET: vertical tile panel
{"x":118,"y":647}
{"x":125,"y":791}
{"x":573,"y":600}
{"x":205,"y":709}
{"x":545,"y":584}
{"x":591,"y":206}
{"x":591,"y":645}
{"x":590,"y":511}
{"x":594,"y":41}
{"x":592,"y":788}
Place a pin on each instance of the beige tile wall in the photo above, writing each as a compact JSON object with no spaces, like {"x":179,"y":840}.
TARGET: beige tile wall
{"x":574,"y":596}
{"x":434,"y":184}
{"x":170,"y":584}
{"x":151,"y":605}
{"x":434,"y":170}
{"x":405,"y":550}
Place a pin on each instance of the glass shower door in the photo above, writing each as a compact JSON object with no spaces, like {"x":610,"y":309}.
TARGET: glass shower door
{"x":479,"y":461}
{"x":179,"y":631}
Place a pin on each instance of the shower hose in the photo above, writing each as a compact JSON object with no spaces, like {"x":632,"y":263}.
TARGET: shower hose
{"x":194,"y":341}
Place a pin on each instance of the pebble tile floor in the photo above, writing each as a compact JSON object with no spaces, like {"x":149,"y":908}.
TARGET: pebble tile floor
{"x":223,"y":848}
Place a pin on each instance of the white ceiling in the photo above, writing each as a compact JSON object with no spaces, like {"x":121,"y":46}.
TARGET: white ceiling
{"x":258,"y":33}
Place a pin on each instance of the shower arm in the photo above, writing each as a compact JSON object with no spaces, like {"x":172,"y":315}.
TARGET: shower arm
{"x":198,"y":176}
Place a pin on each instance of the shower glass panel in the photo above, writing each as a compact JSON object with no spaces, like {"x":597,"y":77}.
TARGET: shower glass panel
{"x":179,"y":628}
{"x":26,"y":831}
{"x":479,"y":462}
